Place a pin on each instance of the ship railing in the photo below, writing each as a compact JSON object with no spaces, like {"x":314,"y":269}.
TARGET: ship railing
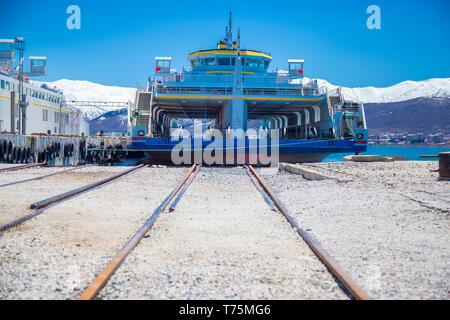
{"x":350,"y":108}
{"x":162,"y":89}
{"x":291,"y":132}
{"x":228,"y":77}
{"x":335,"y":92}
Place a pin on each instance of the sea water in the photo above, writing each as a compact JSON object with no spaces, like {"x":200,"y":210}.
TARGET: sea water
{"x":409,"y":152}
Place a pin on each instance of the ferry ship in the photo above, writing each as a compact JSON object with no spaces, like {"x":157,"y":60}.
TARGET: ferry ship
{"x":43,"y":110}
{"x":231,"y":88}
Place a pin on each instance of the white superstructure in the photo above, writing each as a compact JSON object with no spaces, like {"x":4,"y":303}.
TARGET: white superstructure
{"x":45,"y":112}
{"x":44,"y":107}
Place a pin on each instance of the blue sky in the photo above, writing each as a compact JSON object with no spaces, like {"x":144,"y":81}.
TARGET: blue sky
{"x":118,"y":40}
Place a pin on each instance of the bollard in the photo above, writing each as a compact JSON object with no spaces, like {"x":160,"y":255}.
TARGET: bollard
{"x":444,"y":166}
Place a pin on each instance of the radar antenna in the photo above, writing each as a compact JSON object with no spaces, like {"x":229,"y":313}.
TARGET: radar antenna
{"x":229,"y":34}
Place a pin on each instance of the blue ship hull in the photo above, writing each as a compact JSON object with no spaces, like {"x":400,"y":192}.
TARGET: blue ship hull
{"x":290,"y":150}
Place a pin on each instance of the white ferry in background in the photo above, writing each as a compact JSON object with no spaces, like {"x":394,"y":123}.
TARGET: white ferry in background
{"x":45,"y":111}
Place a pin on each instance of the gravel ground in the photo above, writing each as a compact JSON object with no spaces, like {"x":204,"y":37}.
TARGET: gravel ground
{"x":15,"y":200}
{"x":388,"y":227}
{"x":57,"y":254}
{"x":222,"y":242}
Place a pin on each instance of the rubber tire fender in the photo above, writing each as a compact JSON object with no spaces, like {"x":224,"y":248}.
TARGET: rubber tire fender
{"x":16,"y":154}
{"x":71,"y":149}
{"x":21,"y":156}
{"x":40,"y":157}
{"x":27,"y":155}
{"x":66,"y":152}
{"x":9,"y":150}
{"x":46,"y":157}
{"x":58,"y":148}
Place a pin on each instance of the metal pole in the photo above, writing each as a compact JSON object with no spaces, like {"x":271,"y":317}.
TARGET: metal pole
{"x":60,"y":107}
{"x":20,"y":46}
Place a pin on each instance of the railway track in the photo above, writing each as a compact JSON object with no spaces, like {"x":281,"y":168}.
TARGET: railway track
{"x":173,"y":199}
{"x":45,"y":176}
{"x":101,"y":280}
{"x":25,"y":166}
{"x":272,"y":201}
{"x":43,"y":205}
{"x":320,"y":252}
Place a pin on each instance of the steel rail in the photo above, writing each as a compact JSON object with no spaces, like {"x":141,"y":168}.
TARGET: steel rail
{"x":321,"y":253}
{"x":45,"y":176}
{"x":25,"y":166}
{"x":100,"y":281}
{"x":43,"y":205}
{"x":181,"y":193}
{"x":59,"y":197}
{"x":258,"y":187}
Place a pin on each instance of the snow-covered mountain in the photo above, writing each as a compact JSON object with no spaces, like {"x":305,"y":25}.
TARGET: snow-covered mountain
{"x":88,"y":91}
{"x":407,"y":90}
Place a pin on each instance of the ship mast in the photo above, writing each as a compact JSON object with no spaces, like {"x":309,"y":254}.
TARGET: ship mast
{"x":229,"y":35}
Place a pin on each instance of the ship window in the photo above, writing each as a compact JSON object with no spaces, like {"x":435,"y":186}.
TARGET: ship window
{"x":195,"y":63}
{"x":2,"y":84}
{"x":223,"y":61}
{"x":209,"y":61}
{"x":252,"y":62}
{"x":44,"y":115}
{"x":5,"y":46}
{"x":7,"y":85}
{"x":163,"y":63}
{"x":295,"y":66}
{"x":37,"y":63}
{"x":266,"y":63}
{"x":56,"y":117}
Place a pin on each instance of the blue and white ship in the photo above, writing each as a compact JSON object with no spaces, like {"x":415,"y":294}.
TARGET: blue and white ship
{"x":230,"y":88}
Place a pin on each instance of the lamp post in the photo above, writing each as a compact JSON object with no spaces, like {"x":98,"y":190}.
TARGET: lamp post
{"x":20,"y":46}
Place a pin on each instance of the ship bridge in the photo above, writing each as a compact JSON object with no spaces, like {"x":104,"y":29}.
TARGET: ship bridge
{"x":279,"y":100}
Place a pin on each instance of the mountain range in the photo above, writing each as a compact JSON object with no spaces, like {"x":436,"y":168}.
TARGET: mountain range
{"x":407,"y":106}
